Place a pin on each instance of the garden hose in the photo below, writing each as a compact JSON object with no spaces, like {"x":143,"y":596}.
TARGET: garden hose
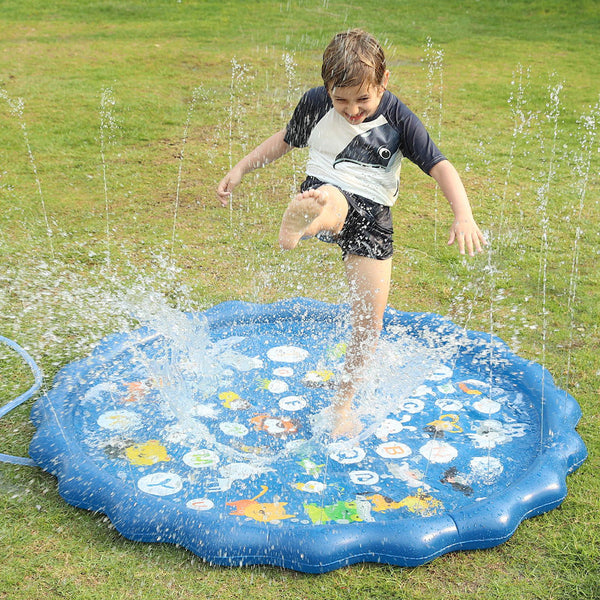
{"x":4,"y":410}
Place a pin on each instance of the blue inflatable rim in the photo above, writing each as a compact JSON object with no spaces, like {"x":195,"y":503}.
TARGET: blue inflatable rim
{"x":409,"y":542}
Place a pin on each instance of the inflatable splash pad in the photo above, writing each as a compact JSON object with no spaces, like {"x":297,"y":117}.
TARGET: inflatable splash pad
{"x":207,"y":431}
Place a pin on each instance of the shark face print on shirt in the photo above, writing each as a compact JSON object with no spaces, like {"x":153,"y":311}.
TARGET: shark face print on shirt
{"x":365,"y":158}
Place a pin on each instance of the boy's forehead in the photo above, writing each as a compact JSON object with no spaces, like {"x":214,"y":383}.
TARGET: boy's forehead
{"x":363,"y":88}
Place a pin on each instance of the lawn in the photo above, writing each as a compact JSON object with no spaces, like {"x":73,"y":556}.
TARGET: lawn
{"x":118,"y":119}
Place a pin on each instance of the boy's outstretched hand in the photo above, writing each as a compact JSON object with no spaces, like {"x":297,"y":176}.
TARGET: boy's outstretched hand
{"x":227,"y":184}
{"x":467,"y":235}
{"x":271,"y":149}
{"x":464,"y":230}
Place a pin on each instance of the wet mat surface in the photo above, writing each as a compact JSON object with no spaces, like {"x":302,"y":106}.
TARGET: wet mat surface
{"x":208,"y":432}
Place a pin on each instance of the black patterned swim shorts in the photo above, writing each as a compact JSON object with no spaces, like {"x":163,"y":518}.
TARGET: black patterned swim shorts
{"x":368,"y":229}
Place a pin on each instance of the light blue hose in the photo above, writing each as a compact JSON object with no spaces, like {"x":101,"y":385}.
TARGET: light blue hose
{"x":4,"y":410}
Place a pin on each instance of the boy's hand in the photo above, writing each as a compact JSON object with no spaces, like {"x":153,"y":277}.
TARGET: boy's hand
{"x":227,"y":184}
{"x":467,"y":235}
{"x":271,"y":149}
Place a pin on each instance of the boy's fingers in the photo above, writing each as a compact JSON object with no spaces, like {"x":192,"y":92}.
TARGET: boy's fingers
{"x":469,"y":246}
{"x":479,"y":243}
{"x":460,"y":238}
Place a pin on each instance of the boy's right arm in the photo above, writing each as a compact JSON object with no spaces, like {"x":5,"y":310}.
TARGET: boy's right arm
{"x":271,"y":149}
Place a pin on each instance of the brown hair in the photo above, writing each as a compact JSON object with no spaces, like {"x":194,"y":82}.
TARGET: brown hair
{"x":352,"y":58}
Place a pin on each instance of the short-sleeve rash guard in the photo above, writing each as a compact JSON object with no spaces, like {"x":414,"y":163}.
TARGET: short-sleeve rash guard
{"x":363,"y":159}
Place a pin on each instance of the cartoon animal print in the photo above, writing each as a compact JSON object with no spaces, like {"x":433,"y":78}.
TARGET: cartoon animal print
{"x":275,"y":426}
{"x":374,"y":148}
{"x":422,"y":503}
{"x":458,"y":482}
{"x":147,"y":454}
{"x":136,"y":390}
{"x":403,"y":471}
{"x":260,"y":511}
{"x":321,"y":378}
{"x":115,"y":447}
{"x":466,"y":387}
{"x":446,"y":423}
{"x":383,"y":503}
{"x":310,"y":467}
{"x":232,"y":401}
{"x":340,"y":511}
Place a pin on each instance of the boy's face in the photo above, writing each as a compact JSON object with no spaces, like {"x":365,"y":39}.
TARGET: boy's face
{"x":358,"y":102}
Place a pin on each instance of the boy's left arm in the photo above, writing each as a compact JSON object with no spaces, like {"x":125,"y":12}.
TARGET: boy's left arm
{"x":464,"y":230}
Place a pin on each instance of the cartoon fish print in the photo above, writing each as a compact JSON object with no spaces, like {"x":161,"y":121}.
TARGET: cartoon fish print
{"x":422,"y":503}
{"x":319,"y":378}
{"x":340,"y":511}
{"x":465,"y":386}
{"x":312,"y":487}
{"x":310,"y":467}
{"x":115,"y":447}
{"x":383,"y":503}
{"x":446,"y":423}
{"x":374,"y":148}
{"x":412,"y":477}
{"x":256,"y":450}
{"x":136,"y":390}
{"x":147,"y":454}
{"x":275,"y":426}
{"x":233,"y":401}
{"x":458,"y":482}
{"x":260,"y":511}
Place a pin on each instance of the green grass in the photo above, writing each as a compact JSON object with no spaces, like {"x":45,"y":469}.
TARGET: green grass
{"x":59,"y":292}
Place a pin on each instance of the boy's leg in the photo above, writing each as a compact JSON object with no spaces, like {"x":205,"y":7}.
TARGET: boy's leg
{"x":322,"y":209}
{"x":369,"y":284}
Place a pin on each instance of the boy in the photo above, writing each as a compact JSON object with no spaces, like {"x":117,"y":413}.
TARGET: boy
{"x":357,"y":133}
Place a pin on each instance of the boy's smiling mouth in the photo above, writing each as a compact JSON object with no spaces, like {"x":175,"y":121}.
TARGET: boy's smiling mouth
{"x":354,"y":119}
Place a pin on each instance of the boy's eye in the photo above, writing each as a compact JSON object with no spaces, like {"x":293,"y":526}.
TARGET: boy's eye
{"x":344,"y":100}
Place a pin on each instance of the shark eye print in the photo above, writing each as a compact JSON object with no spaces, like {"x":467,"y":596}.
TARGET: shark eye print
{"x":384,"y":153}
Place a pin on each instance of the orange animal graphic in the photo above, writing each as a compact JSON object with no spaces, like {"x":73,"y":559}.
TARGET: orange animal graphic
{"x":260,"y":511}
{"x":383,"y":503}
{"x":275,"y":426}
{"x":136,"y":390}
{"x":468,"y":390}
{"x":421,"y":503}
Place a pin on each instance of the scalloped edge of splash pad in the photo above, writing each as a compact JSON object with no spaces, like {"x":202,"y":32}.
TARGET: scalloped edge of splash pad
{"x":231,"y":521}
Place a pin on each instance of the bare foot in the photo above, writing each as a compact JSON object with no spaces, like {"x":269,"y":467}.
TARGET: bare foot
{"x":299,"y":215}
{"x":345,"y":423}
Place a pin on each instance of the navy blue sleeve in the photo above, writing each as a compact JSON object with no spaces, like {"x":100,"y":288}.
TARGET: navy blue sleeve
{"x":310,"y":110}
{"x":415,"y":142}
